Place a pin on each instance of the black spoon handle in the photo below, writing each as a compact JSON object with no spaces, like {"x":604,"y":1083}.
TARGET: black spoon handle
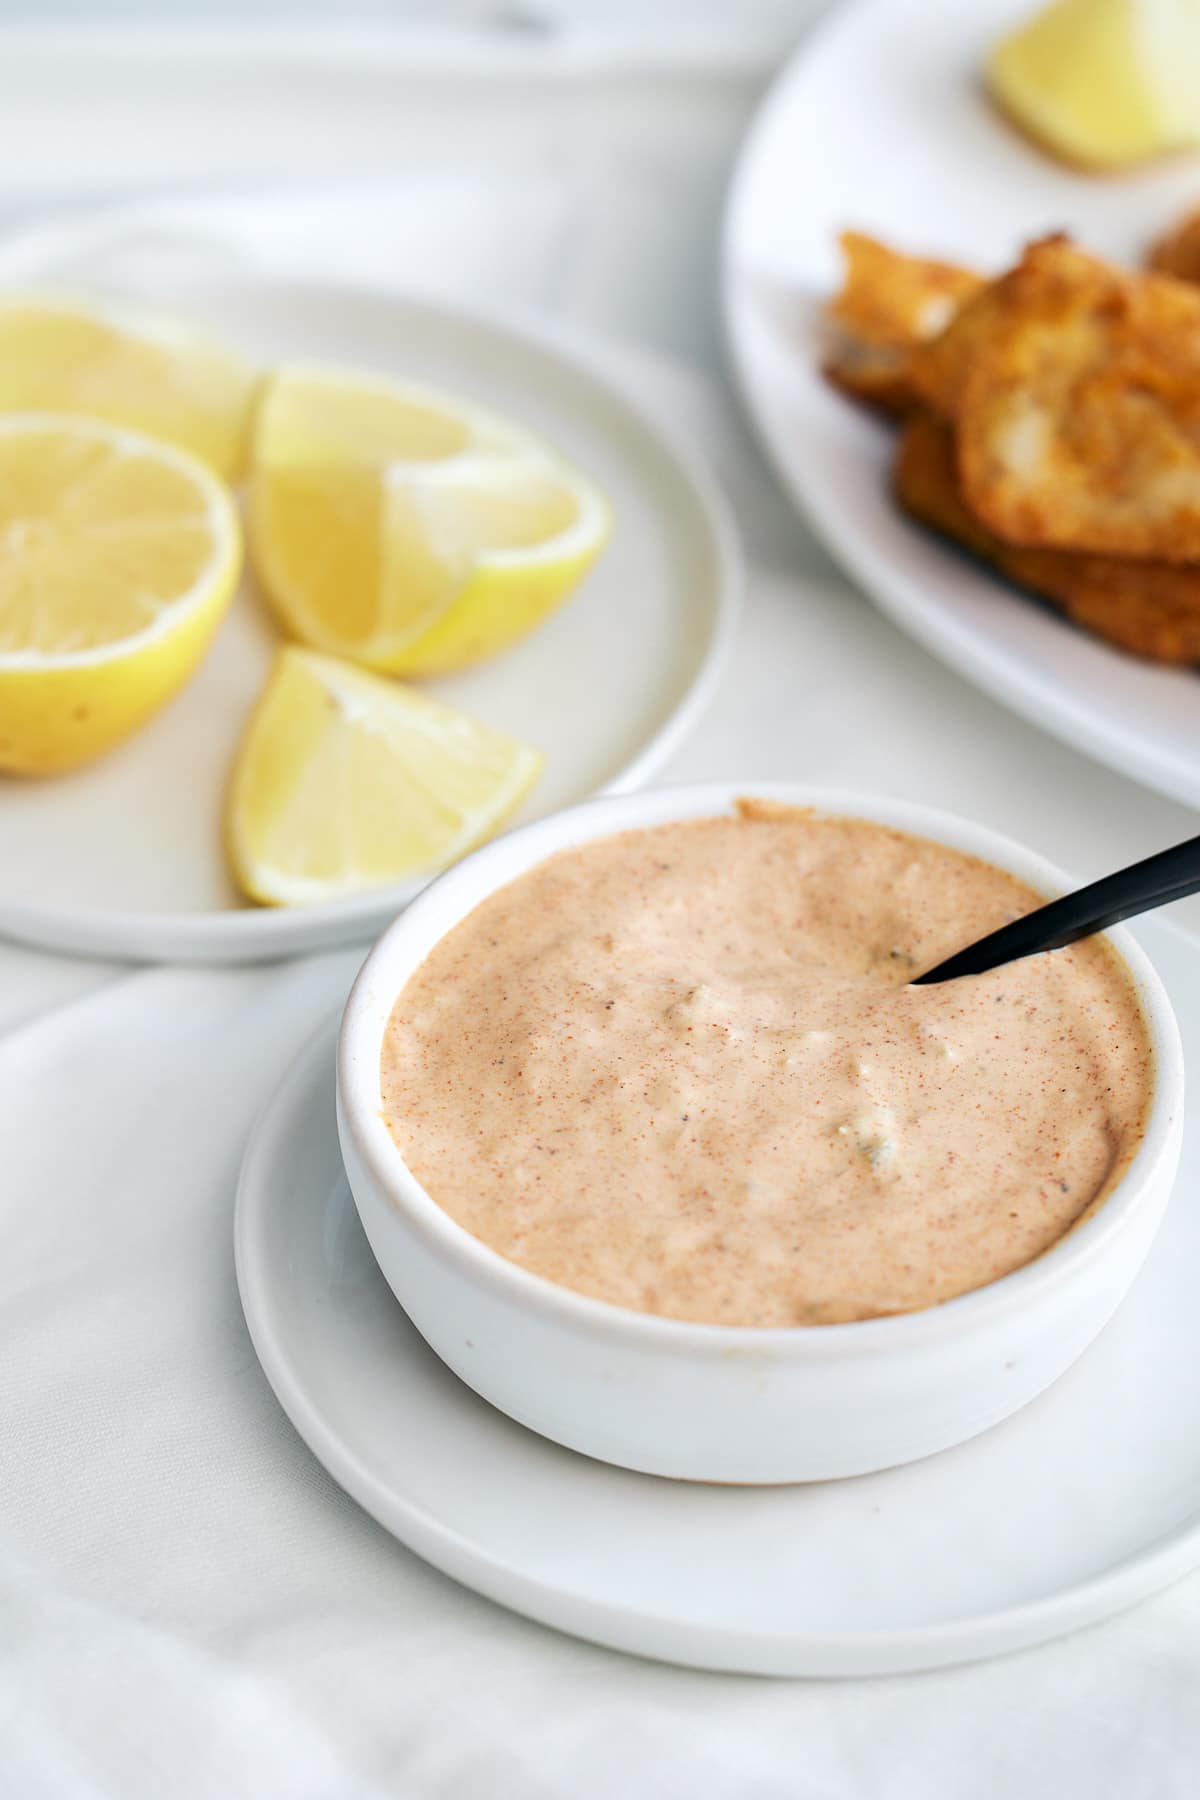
{"x":1170,"y":875}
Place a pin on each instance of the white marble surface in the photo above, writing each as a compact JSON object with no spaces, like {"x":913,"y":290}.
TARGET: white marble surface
{"x":767,"y":25}
{"x":189,"y":1606}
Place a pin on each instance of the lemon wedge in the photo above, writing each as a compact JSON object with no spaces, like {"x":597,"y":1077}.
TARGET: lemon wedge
{"x":110,"y":364}
{"x":405,"y":531}
{"x":1104,"y":82}
{"x":346,"y":780}
{"x":118,"y":558}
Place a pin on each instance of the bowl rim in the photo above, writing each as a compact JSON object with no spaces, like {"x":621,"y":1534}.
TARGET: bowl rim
{"x":392,"y":961}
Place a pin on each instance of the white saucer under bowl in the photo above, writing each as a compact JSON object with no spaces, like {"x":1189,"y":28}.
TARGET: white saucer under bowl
{"x":1080,"y":1505}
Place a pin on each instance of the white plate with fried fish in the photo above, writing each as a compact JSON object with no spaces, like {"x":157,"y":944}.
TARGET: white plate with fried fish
{"x":881,"y":123}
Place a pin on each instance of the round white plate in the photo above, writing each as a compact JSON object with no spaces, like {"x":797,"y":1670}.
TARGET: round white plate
{"x":1081,"y":1504}
{"x":124,"y":859}
{"x":880,"y":122}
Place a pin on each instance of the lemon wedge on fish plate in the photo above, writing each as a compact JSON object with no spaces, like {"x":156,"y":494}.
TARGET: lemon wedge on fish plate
{"x":1104,"y":83}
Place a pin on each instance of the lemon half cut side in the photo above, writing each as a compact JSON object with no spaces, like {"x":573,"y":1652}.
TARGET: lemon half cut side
{"x":119,"y":556}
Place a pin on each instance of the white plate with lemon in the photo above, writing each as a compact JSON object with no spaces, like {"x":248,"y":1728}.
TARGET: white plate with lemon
{"x":882,"y":123}
{"x":307,"y":590}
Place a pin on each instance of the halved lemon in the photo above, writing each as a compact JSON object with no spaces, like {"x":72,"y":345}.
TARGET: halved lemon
{"x":118,"y":558}
{"x":146,"y":374}
{"x":346,"y":780}
{"x":406,"y":531}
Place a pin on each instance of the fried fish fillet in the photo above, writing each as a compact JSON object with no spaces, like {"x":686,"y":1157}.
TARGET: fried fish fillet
{"x":938,"y":368}
{"x":1177,"y":252}
{"x":887,"y":304}
{"x":1149,"y":608}
{"x":1075,"y":390}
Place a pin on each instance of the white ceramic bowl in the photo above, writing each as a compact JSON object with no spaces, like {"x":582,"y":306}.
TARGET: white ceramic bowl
{"x":724,"y":1403}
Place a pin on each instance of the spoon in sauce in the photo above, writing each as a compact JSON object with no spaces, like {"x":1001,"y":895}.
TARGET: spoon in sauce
{"x":1170,"y":875}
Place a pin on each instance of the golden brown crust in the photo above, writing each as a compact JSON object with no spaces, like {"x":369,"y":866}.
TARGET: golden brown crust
{"x":1149,"y":608}
{"x":1078,"y":408}
{"x":939,"y":367}
{"x":874,"y":376}
{"x":887,"y":304}
{"x":1177,"y":252}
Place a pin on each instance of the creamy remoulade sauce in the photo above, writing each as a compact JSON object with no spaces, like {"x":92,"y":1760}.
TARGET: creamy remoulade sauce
{"x":679,"y":1069}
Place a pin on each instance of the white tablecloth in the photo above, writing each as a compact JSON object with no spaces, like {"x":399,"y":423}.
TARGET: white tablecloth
{"x":188,"y":1605}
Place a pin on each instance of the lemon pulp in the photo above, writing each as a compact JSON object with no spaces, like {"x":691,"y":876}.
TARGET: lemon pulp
{"x":1104,"y":82}
{"x":118,"y":558}
{"x":397,"y":528}
{"x":346,"y":780}
{"x":108,"y":364}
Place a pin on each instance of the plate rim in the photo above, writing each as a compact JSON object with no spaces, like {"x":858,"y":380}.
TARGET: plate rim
{"x":712,"y":1647}
{"x":245,"y":934}
{"x":1059,"y":713}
